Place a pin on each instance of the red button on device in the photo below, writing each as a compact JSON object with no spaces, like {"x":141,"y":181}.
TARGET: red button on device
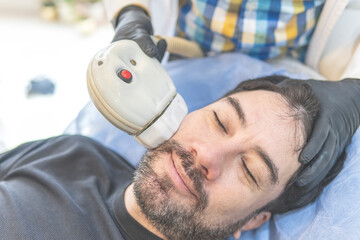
{"x":126,"y":74}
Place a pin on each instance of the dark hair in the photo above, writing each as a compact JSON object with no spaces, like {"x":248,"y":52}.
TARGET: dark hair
{"x":304,"y":107}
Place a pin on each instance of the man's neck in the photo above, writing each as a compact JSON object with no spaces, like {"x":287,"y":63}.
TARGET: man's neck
{"x":134,"y":210}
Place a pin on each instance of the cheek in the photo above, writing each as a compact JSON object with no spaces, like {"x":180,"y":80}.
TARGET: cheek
{"x":231,"y":198}
{"x":191,"y":126}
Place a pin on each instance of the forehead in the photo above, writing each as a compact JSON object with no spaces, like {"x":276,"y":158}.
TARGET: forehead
{"x":261,"y":106}
{"x":269,"y":125}
{"x":267,"y":109}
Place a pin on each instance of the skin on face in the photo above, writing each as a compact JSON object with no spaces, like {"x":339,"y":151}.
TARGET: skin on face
{"x":232,"y":143}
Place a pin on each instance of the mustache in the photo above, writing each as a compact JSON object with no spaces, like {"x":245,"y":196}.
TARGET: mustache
{"x":187,"y":161}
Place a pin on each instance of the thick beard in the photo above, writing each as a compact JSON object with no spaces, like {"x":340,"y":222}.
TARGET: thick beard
{"x":172,"y":218}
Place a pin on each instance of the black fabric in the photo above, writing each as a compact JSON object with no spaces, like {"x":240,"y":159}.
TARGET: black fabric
{"x":68,"y":187}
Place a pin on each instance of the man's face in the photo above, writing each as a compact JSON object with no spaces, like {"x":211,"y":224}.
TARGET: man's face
{"x":226,"y":161}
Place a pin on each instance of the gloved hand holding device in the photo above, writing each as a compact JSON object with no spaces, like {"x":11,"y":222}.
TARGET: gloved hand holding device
{"x":338,"y":120}
{"x":129,"y":86}
{"x":133,"y":23}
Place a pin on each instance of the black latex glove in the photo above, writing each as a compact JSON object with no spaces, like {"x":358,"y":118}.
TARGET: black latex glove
{"x":338,"y":119}
{"x":133,"y":23}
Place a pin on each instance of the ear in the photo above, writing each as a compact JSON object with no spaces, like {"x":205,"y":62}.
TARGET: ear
{"x":257,"y":221}
{"x":253,"y":223}
{"x":237,"y":234}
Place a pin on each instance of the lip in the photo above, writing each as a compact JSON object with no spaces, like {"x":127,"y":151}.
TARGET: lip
{"x":179,"y":179}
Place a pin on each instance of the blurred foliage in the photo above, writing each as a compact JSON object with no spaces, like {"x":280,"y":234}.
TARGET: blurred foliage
{"x":86,"y":14}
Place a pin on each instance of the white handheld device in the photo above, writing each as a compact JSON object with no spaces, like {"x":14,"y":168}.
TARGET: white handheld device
{"x":135,"y":93}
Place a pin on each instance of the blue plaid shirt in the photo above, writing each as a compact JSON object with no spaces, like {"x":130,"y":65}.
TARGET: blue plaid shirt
{"x":262,"y":29}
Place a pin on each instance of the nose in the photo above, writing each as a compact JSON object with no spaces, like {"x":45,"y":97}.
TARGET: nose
{"x":209,"y":159}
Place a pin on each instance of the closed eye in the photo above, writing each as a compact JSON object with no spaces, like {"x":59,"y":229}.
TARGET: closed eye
{"x":248,"y":172}
{"x":219,"y":122}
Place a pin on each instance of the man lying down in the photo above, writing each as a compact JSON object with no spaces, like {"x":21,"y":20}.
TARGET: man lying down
{"x":229,"y":167}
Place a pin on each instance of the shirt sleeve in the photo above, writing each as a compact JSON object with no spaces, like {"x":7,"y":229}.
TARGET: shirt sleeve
{"x":12,"y":159}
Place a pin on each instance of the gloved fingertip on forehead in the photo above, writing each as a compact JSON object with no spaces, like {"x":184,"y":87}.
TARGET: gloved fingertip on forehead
{"x":313,"y":174}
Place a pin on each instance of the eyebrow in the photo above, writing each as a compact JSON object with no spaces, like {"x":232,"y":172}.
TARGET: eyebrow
{"x":237,"y":107}
{"x":274,"y":175}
